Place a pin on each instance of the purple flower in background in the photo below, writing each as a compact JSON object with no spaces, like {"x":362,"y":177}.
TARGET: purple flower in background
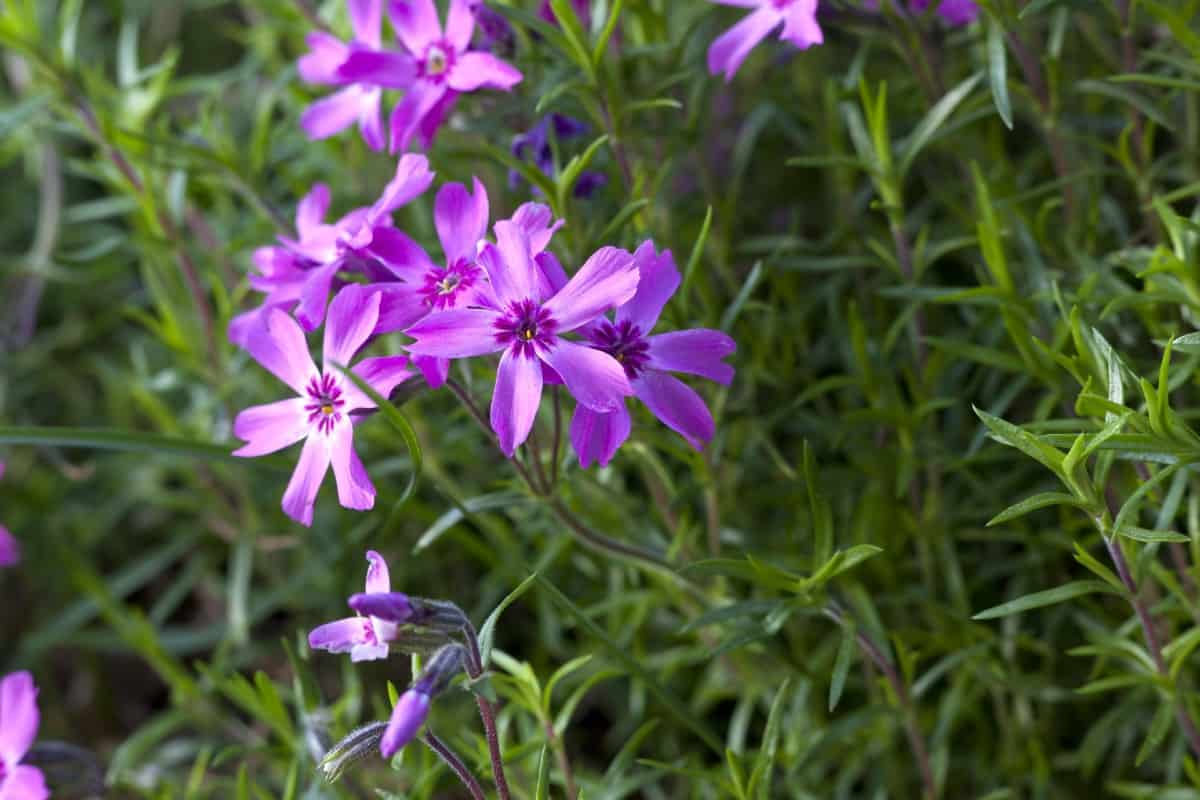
{"x":534,"y":145}
{"x":365,"y":638}
{"x":19,"y":718}
{"x":10,"y":549}
{"x":582,"y":10}
{"x":409,"y":714}
{"x":799,"y":20}
{"x":321,"y":412}
{"x":492,"y":31}
{"x":647,"y":360}
{"x":356,"y":102}
{"x":527,"y":328}
{"x":436,"y":67}
{"x":955,"y":12}
{"x":299,"y":273}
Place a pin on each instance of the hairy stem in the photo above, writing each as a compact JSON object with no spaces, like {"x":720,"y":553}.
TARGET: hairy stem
{"x":455,"y":763}
{"x":487,"y":711}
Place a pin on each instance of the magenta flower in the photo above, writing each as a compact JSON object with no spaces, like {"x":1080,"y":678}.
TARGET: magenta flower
{"x":300,"y":273}
{"x":10,"y":549}
{"x":955,"y":12}
{"x":436,"y":66}
{"x":799,"y":19}
{"x":365,"y":638}
{"x":527,"y":328}
{"x":356,"y":102}
{"x":647,"y":360}
{"x":19,"y":720}
{"x":321,"y":412}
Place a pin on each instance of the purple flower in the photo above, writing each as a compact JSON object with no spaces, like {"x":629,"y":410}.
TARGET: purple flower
{"x":408,"y":716}
{"x":19,"y":720}
{"x":10,"y":548}
{"x":436,"y":66}
{"x":955,"y":12}
{"x":357,"y":102}
{"x":799,"y":18}
{"x":299,"y":273}
{"x":492,"y":31}
{"x":365,"y":638}
{"x":534,"y":145}
{"x":321,"y":412}
{"x":527,"y":327}
{"x":647,"y":360}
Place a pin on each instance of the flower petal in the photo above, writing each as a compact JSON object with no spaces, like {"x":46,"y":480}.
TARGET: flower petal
{"x":800,"y":26}
{"x":607,"y":279}
{"x":431,"y":123}
{"x":417,"y":102}
{"x":402,"y":256}
{"x":10,"y":548}
{"x":551,"y":275}
{"x":325,"y":54}
{"x":677,"y":405}
{"x":435,"y":370}
{"x":593,"y":377}
{"x":25,"y":783}
{"x":515,"y":399}
{"x":19,"y":715}
{"x":366,"y":18}
{"x":412,"y":177}
{"x":659,"y":280}
{"x":370,"y":120}
{"x":378,"y":577}
{"x":401,"y":305}
{"x":460,"y":23}
{"x":407,"y":718}
{"x":459,"y":333}
{"x":539,"y":224}
{"x":461,"y":220}
{"x":387,"y":69}
{"x":730,"y":49}
{"x":416,"y":23}
{"x":333,"y":114}
{"x":301,"y":492}
{"x":309,"y":213}
{"x":476,"y":69}
{"x":354,"y":486}
{"x":281,"y":347}
{"x":384,"y":374}
{"x":271,"y":427}
{"x":369,"y":652}
{"x":696,"y":352}
{"x":350,"y":322}
{"x":339,"y":636}
{"x":512,"y":274}
{"x":596,"y":437}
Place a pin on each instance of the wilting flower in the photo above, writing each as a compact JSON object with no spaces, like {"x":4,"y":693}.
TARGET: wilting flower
{"x":412,"y":708}
{"x":365,"y":638}
{"x":534,"y":145}
{"x":799,"y":20}
{"x":436,"y":67}
{"x":19,"y":718}
{"x":647,"y":360}
{"x":955,"y":12}
{"x":299,"y":273}
{"x":321,"y":413}
{"x":10,"y":549}
{"x":527,"y":327}
{"x":357,"y":102}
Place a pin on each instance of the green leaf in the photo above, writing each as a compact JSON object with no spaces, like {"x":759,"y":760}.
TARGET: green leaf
{"x":1159,"y":727}
{"x":933,"y":120}
{"x":570,"y":173}
{"x":484,"y":502}
{"x":697,"y":251}
{"x":841,"y":664}
{"x":1037,"y":501}
{"x":1045,"y":598}
{"x":574,"y":35}
{"x":1024,"y":441}
{"x":131,"y":441}
{"x":998,"y":72}
{"x":1147,"y":535}
{"x":764,"y":765}
{"x":487,"y":632}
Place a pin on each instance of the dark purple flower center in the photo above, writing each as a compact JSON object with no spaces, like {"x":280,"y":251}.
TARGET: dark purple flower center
{"x":524,"y":325}
{"x":443,"y":287}
{"x":437,"y":61}
{"x":624,"y":342}
{"x":3,"y":770}
{"x":325,"y":403}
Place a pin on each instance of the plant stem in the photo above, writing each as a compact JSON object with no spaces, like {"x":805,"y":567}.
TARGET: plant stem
{"x":455,"y":763}
{"x":557,"y":443}
{"x":487,"y":711}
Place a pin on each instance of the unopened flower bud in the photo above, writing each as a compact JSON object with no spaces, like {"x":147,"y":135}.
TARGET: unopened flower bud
{"x":407,"y":718}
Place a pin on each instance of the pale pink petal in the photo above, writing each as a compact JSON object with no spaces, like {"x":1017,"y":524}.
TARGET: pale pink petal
{"x":539,"y":224}
{"x":25,"y":783}
{"x":378,"y":577}
{"x":383,"y":374}
{"x":10,"y":548}
{"x":594,"y":378}
{"x":383,"y":68}
{"x":697,"y":352}
{"x":411,"y":110}
{"x":607,"y":279}
{"x":369,"y":652}
{"x":416,"y":23}
{"x":309,"y":214}
{"x":513,"y":275}
{"x":412,"y":178}
{"x":459,"y":333}
{"x":325,"y":54}
{"x":551,"y":275}
{"x":477,"y":69}
{"x":350,"y":322}
{"x":354,"y":488}
{"x":310,"y":470}
{"x":657,"y":282}
{"x":340,"y":636}
{"x":800,"y":26}
{"x":370,"y":120}
{"x":596,"y":437}
{"x":271,"y":427}
{"x":460,"y":23}
{"x":461,"y":220}
{"x":366,"y":18}
{"x":515,"y":399}
{"x":19,"y":715}
{"x":333,"y":114}
{"x":677,"y":405}
{"x":282,"y":349}
{"x":730,"y":49}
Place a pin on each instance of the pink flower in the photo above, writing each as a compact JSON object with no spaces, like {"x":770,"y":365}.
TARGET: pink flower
{"x":434,"y":68}
{"x":364,"y":638}
{"x":10,"y":549}
{"x":19,"y":720}
{"x":321,"y":412}
{"x":799,"y":20}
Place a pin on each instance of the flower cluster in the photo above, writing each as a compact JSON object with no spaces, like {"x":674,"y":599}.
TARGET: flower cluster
{"x":19,"y":718}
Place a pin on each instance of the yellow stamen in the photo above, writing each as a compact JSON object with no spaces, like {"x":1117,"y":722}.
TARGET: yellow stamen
{"x":327,"y":409}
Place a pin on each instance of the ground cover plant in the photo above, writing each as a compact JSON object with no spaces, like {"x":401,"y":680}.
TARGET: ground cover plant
{"x":599,"y":399}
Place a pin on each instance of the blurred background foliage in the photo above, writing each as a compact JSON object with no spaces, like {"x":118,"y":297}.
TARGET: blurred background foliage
{"x":904,"y":223}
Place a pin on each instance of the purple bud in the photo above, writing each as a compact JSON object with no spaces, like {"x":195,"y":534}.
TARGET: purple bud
{"x":388,"y":606}
{"x":567,"y":127}
{"x":492,"y":31}
{"x":588,"y":183}
{"x":407,"y":718}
